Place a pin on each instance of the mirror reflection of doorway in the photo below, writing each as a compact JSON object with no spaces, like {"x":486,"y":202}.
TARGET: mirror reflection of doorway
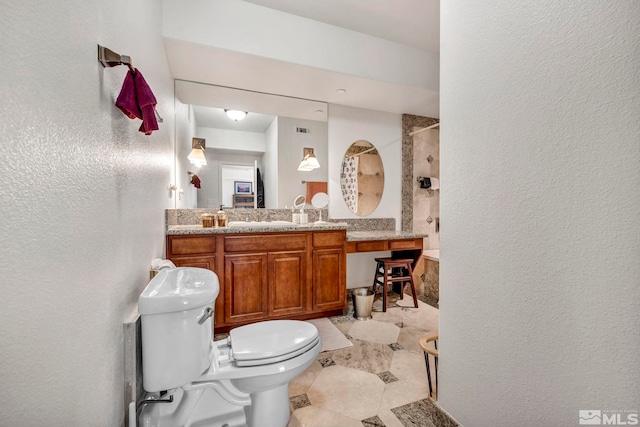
{"x":229,"y":175}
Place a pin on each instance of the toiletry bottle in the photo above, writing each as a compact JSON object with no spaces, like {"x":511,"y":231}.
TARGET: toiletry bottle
{"x":222,"y":218}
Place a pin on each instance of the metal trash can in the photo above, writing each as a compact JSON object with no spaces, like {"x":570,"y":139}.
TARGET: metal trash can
{"x":363,"y":303}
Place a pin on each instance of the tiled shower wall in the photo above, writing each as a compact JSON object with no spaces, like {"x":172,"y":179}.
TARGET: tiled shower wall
{"x":421,"y":207}
{"x":415,"y":163}
{"x":426,"y":202}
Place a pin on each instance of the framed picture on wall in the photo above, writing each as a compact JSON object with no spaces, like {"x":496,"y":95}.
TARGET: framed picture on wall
{"x":243,"y":187}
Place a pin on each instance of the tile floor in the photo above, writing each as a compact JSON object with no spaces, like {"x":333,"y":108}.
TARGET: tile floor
{"x":379,"y":382}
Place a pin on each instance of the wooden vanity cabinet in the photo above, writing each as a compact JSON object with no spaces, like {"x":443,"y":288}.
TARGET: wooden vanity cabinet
{"x":288,"y":283}
{"x":329,"y":271}
{"x":264,"y":276}
{"x":245,"y":287}
{"x":197,"y":251}
{"x":294,"y":275}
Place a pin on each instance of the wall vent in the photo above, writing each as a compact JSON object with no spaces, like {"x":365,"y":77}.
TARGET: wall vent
{"x":303,"y":130}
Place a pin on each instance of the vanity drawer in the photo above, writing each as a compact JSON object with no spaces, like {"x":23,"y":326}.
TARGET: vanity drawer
{"x":329,"y":239}
{"x":405,"y":244}
{"x":189,"y":245}
{"x":270,"y":242}
{"x":372,"y":246}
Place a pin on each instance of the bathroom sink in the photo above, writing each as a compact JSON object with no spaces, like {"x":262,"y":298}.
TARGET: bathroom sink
{"x":261,"y":224}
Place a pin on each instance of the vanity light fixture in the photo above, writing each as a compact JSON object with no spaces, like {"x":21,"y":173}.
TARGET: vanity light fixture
{"x":309,"y":161}
{"x":196,"y":156}
{"x":236,"y":115}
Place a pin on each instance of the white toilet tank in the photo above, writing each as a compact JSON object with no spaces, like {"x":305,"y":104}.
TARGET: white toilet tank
{"x":176,"y":310}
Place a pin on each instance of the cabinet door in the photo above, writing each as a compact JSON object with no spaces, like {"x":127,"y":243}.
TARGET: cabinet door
{"x":329,"y":287}
{"x":245,"y":287}
{"x":287,"y":283}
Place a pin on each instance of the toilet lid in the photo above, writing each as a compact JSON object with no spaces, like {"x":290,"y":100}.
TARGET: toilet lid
{"x":271,"y":341}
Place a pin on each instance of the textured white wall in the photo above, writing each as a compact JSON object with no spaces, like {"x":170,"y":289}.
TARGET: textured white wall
{"x":269,"y":172}
{"x":232,"y":139}
{"x":186,"y":125}
{"x":82,"y":196}
{"x":540,"y":243}
{"x":383,"y":130}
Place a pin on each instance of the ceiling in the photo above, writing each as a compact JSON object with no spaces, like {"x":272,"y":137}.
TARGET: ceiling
{"x":209,"y":101}
{"x":216,"y":118}
{"x":412,"y":22}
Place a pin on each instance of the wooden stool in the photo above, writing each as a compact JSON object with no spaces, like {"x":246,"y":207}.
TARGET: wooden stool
{"x":405,"y":276}
{"x":424,"y":341}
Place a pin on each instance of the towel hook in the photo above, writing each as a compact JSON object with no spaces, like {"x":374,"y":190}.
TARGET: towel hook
{"x":109,"y":58}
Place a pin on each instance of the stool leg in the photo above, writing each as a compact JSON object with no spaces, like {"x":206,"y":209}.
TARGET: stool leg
{"x":413,"y":288}
{"x":436,"y":363}
{"x":435,"y":343}
{"x":426,"y":361}
{"x":400,"y":271}
{"x":384,"y":290}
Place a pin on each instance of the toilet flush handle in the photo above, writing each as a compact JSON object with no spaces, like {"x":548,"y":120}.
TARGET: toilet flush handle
{"x":208,"y":313}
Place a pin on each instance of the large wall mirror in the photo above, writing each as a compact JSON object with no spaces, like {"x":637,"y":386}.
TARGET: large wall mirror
{"x":362,"y":178}
{"x":251,"y":162}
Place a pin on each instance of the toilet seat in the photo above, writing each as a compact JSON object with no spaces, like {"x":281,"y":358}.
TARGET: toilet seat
{"x":271,"y":341}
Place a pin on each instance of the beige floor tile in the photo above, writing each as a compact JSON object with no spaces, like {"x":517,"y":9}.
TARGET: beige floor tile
{"x":409,"y":366}
{"x":374,"y":331}
{"x":344,"y":326}
{"x":426,"y":318}
{"x":302,"y":382}
{"x":389,"y":419}
{"x":332,"y":337}
{"x":390,"y":316}
{"x":312,"y":416}
{"x":408,"y":339}
{"x":347,"y":391}
{"x":400,"y":393}
{"x":365,"y":356}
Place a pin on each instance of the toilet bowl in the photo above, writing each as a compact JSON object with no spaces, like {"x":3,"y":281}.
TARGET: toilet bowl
{"x":239,"y":381}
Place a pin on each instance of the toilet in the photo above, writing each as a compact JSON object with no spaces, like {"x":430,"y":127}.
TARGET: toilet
{"x":240,"y":381}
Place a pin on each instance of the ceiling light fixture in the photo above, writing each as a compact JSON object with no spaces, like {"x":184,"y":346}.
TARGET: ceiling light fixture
{"x":309,"y":161}
{"x":341,"y":91}
{"x":236,"y":115}
{"x":196,"y":156}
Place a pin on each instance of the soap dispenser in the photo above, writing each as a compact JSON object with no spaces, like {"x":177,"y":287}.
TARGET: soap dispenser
{"x":222,"y":218}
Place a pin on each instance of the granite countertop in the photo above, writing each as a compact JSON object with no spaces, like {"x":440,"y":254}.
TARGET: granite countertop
{"x":352,"y":236}
{"x":265,"y":227}
{"x":358,"y":236}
